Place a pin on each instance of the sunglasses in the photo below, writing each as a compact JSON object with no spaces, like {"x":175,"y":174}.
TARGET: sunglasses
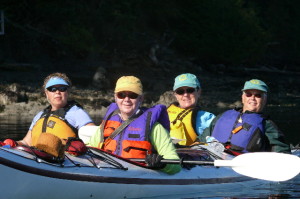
{"x":60,"y":89}
{"x":123,"y":95}
{"x":181,"y":91}
{"x":257,"y":95}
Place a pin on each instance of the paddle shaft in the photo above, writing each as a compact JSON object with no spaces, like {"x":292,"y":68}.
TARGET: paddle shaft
{"x":169,"y":161}
{"x":261,"y":165}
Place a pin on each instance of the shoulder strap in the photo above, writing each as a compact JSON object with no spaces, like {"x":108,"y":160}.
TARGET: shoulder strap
{"x":107,"y":118}
{"x":60,"y":113}
{"x":148,"y":130}
{"x":185,"y":114}
{"x":44,"y":127}
{"x":120,"y":128}
{"x":63,"y":111}
{"x":181,"y":115}
{"x":46,"y":111}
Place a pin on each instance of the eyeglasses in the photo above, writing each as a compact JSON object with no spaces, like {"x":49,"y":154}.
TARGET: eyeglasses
{"x":123,"y":95}
{"x":60,"y":89}
{"x":181,"y":91}
{"x":257,"y":95}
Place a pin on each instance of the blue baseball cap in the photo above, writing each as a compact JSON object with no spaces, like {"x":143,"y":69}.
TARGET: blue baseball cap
{"x":255,"y":84}
{"x":56,"y":81}
{"x":186,"y":79}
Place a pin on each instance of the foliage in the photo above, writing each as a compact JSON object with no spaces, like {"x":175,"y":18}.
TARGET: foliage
{"x":212,"y":31}
{"x":281,"y":19}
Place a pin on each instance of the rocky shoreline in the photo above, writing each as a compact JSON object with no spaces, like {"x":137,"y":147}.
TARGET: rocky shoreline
{"x":219,"y":90}
{"x":93,"y":84}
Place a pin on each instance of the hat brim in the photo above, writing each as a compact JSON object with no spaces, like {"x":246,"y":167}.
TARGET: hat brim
{"x":185,"y":84}
{"x":255,"y":88}
{"x":56,"y":81}
{"x":137,"y":91}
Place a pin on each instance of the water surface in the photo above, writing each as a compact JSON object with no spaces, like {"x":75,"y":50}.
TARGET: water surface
{"x":287,"y":119}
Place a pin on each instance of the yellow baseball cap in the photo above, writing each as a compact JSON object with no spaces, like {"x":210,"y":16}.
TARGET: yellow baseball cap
{"x":129,"y":83}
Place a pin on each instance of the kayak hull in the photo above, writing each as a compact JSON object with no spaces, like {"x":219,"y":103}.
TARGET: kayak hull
{"x":26,"y":176}
{"x":27,"y":185}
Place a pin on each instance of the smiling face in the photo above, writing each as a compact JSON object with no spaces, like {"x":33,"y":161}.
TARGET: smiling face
{"x":186,"y":98}
{"x":128,"y":103}
{"x":57,"y":99}
{"x":254,"y":100}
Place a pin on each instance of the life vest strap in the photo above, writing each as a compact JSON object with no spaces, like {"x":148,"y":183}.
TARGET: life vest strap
{"x":44,"y":127}
{"x":127,"y":149}
{"x":120,"y":128}
{"x":181,"y":115}
{"x":148,"y":125}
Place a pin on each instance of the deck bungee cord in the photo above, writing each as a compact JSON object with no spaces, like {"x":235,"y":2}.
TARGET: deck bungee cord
{"x":105,"y":158}
{"x":42,"y":157}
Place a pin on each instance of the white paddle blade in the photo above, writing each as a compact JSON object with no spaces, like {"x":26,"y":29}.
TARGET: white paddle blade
{"x":264,"y":165}
{"x":86,"y":132}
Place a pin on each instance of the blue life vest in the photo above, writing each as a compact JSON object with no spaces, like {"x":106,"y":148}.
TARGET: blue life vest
{"x":243,"y":132}
{"x":134,"y":140}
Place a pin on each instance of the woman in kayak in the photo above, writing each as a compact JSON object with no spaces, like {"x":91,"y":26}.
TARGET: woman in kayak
{"x":131,"y":131}
{"x":186,"y":118}
{"x":62,"y":117}
{"x":247,"y":129}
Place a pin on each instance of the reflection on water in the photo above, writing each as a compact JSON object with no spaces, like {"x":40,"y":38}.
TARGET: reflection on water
{"x":285,"y":117}
{"x":274,"y":190}
{"x":13,"y":127}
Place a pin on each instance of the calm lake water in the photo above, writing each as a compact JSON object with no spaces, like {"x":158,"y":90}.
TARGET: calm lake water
{"x":287,"y":119}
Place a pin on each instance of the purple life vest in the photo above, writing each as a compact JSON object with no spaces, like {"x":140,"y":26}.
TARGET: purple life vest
{"x":140,"y":128}
{"x":249,"y":138}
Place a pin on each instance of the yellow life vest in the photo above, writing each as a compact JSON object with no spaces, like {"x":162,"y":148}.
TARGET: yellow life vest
{"x":55,"y":126}
{"x":181,"y":125}
{"x":54,"y":123}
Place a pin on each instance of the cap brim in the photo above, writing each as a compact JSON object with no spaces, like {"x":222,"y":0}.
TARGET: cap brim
{"x":139,"y":92}
{"x":182,"y":85}
{"x":53,"y":82}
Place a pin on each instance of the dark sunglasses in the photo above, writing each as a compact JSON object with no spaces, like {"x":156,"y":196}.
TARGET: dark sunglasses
{"x":181,"y":91}
{"x":123,"y":95}
{"x":60,"y":89}
{"x":257,"y":95}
